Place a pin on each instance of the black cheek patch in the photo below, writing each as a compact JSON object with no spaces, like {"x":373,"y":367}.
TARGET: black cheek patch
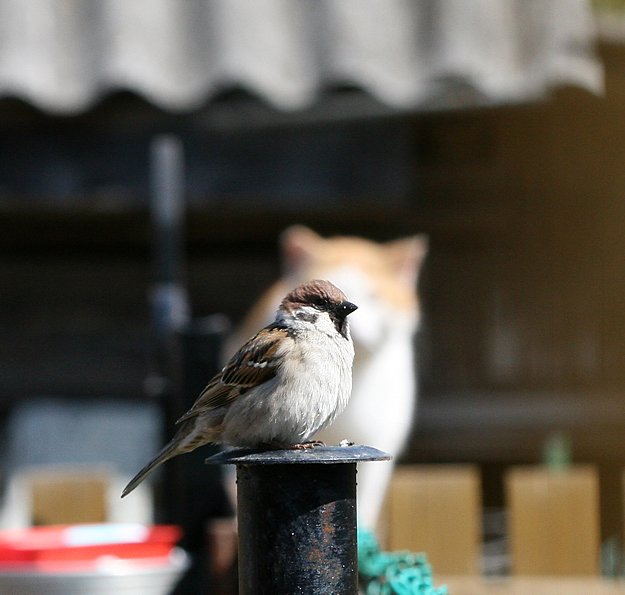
{"x":307,"y":317}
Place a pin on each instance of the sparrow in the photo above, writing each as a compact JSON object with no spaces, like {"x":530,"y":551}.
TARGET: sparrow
{"x":285,"y":384}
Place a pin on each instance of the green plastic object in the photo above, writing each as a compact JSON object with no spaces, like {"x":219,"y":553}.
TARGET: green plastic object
{"x":557,"y":452}
{"x":393,"y":573}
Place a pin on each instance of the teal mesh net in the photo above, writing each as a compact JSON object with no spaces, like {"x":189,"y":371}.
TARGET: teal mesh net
{"x":393,"y":573}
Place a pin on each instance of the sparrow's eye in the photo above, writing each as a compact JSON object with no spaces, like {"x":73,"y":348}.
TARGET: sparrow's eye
{"x":319,"y":304}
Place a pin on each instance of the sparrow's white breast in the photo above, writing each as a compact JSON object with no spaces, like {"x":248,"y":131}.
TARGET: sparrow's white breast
{"x":311,"y":387}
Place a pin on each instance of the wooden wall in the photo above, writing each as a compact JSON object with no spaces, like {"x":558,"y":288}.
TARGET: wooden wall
{"x":524,"y":288}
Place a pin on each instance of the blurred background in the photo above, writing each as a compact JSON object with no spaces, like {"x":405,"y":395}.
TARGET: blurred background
{"x":495,"y":127}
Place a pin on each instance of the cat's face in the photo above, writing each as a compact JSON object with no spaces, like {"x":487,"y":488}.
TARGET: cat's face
{"x":380,"y":278}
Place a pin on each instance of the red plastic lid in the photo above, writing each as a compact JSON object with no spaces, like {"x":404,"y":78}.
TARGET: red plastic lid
{"x":85,"y":543}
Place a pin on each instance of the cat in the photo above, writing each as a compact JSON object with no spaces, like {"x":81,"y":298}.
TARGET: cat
{"x":381,"y":279}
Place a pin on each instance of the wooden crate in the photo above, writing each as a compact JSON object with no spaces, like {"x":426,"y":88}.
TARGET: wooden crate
{"x":66,"y":497}
{"x":553,"y":520}
{"x":436,"y":509}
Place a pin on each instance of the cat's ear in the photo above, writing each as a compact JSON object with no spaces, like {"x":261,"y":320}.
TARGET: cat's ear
{"x":298,"y":244}
{"x":406,"y":256}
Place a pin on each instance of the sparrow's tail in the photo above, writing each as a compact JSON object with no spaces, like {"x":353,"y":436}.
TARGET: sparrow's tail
{"x":169,"y":451}
{"x":187,"y":438}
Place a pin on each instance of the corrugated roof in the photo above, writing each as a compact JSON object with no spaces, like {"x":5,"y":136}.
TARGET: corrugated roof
{"x":64,"y":55}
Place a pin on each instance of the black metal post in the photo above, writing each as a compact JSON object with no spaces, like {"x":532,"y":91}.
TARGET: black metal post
{"x":297,"y":519}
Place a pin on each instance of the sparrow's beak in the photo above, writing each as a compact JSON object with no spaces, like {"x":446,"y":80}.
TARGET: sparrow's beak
{"x":346,"y":308}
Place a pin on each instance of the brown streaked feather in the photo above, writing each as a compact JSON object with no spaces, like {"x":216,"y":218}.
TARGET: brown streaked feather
{"x":256,"y":362}
{"x":216,"y":394}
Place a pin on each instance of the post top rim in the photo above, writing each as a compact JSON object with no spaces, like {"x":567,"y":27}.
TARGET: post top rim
{"x":318,"y":455}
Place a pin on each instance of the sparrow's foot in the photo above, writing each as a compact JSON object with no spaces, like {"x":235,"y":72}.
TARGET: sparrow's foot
{"x":307,"y":445}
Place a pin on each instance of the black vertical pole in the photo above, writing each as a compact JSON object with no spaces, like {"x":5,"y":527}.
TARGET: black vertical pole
{"x":297,"y":519}
{"x":168,"y":208}
{"x":168,"y":297}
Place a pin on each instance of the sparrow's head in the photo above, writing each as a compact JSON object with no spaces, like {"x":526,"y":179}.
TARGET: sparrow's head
{"x":320,"y":304}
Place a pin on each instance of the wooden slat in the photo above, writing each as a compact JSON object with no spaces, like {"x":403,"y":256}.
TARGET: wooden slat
{"x":65,"y":498}
{"x":471,"y":585}
{"x":436,"y":509}
{"x":553,"y":520}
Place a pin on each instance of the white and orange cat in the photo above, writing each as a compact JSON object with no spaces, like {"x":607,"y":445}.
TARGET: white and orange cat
{"x":381,"y":279}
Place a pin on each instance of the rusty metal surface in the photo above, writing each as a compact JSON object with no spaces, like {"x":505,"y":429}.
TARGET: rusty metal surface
{"x":297,"y":529}
{"x":297,"y":518}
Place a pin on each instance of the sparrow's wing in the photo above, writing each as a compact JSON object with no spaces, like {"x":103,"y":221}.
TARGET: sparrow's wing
{"x":256,"y":362}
